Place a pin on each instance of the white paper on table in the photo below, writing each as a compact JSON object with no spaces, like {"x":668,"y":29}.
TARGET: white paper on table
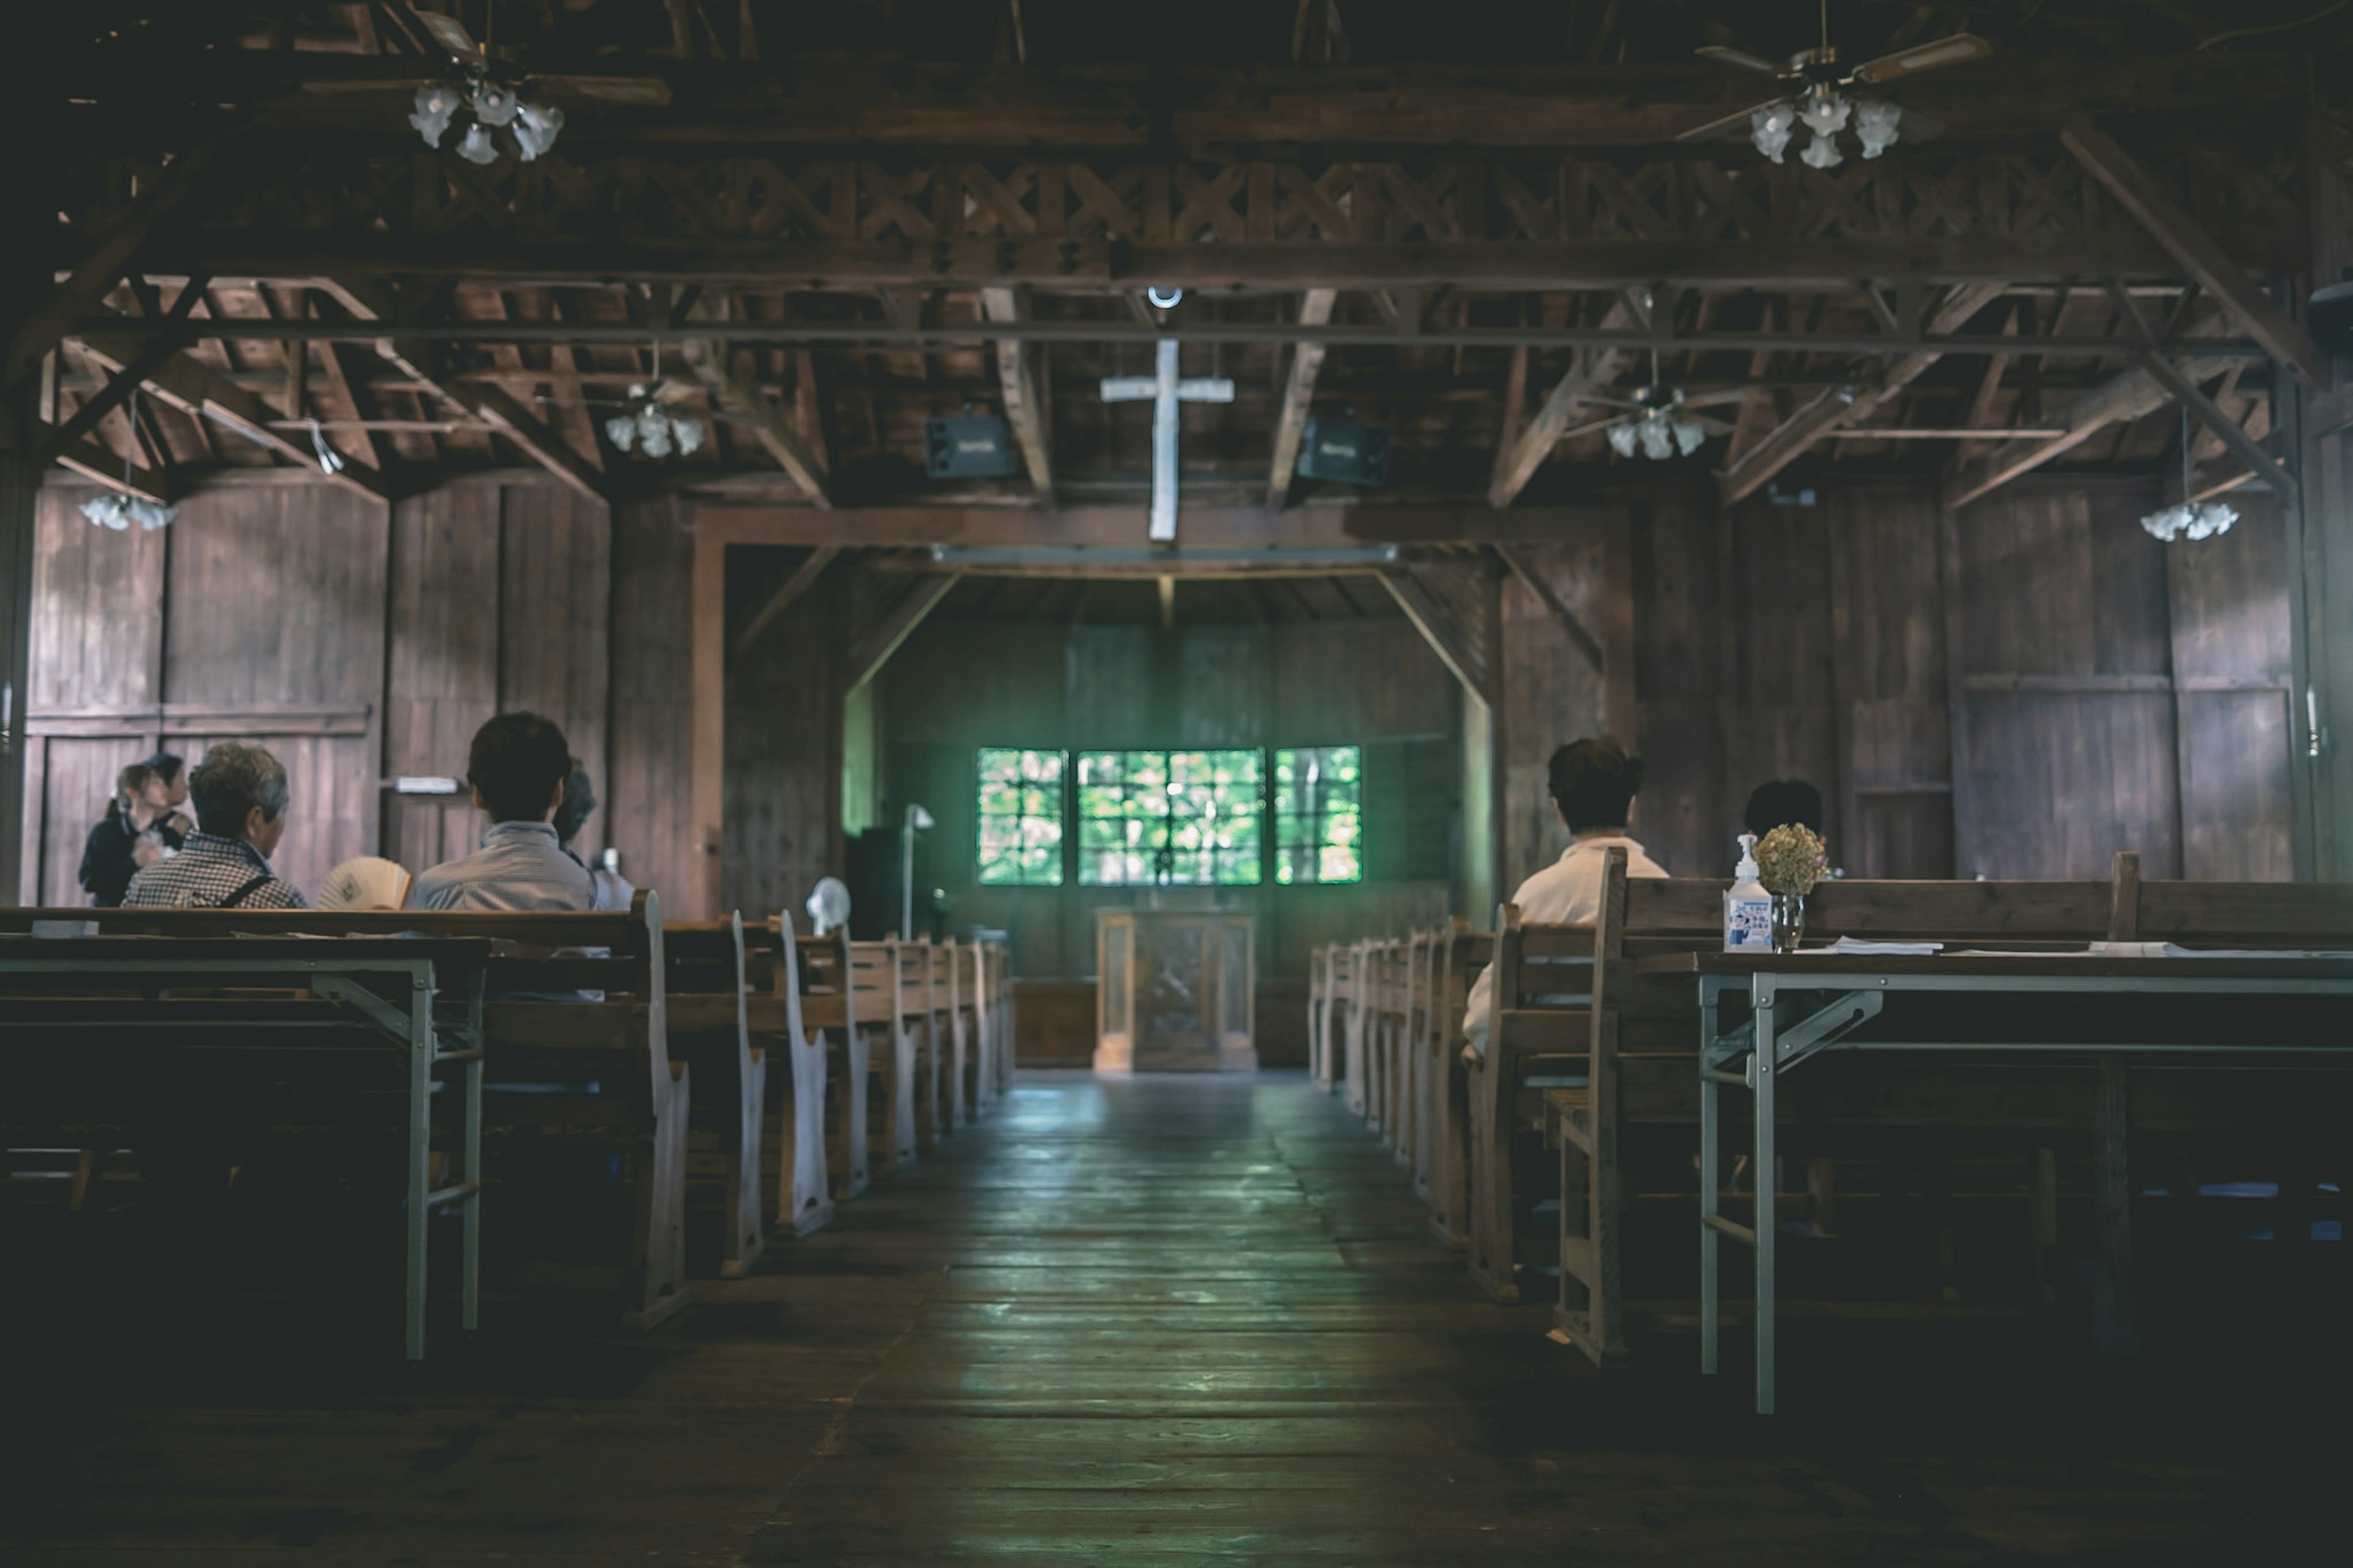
{"x":2175,"y":950}
{"x":1891,"y":948}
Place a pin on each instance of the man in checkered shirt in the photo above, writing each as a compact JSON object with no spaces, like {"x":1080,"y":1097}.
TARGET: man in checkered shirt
{"x":239,"y":794}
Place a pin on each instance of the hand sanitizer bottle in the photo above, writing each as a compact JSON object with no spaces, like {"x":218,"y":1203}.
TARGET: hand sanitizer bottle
{"x":1747,"y":908}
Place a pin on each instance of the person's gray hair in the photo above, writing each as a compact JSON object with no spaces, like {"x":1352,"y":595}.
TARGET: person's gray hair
{"x":230,"y":781}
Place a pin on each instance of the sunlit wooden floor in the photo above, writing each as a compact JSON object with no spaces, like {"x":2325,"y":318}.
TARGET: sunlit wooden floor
{"x":1168,"y":1321}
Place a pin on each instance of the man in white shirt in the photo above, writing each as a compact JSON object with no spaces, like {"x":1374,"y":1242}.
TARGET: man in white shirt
{"x":1593,"y":784}
{"x":517,"y":767}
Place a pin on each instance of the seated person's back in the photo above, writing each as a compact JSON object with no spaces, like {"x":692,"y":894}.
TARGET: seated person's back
{"x":517,"y":768}
{"x":1593,"y":784}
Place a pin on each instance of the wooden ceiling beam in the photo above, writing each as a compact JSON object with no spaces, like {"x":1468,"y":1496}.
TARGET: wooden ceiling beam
{"x":1589,"y":370}
{"x":1298,"y":396}
{"x":488,"y":404}
{"x":2141,"y":195}
{"x":739,"y":397}
{"x":1843,"y":406}
{"x":202,"y":391}
{"x":788,"y":593}
{"x":873,"y":643}
{"x":830,"y":99}
{"x":1117,"y":266}
{"x":1026,"y":402}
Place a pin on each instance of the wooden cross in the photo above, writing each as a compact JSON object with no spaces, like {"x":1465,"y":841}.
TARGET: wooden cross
{"x":1165,"y":390}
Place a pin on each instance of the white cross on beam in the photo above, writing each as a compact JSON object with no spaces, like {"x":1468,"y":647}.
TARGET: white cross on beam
{"x":1165,"y":390}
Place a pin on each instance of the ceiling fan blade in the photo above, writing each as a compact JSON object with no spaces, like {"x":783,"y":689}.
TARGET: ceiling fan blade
{"x":1575,"y":431}
{"x":1717,"y":398}
{"x":631,"y":91}
{"x":449,"y":33}
{"x":1741,"y":59}
{"x":1713,"y":426}
{"x":388,"y":86}
{"x":1729,"y":123}
{"x":1956,"y":50}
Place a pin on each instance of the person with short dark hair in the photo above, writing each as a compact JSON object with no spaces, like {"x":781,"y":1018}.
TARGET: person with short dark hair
{"x":1593,"y":784}
{"x":518,"y":767}
{"x":241,"y":795}
{"x":141,"y":826}
{"x":614,"y":891}
{"x":1781,"y":802}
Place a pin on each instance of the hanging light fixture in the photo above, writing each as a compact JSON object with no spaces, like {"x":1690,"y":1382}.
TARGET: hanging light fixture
{"x":2187,"y":519}
{"x":118,"y":511}
{"x":646,"y":425}
{"x":1660,"y":427}
{"x":497,"y":104}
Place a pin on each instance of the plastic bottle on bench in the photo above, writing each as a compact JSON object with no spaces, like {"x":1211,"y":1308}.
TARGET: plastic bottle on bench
{"x":1747,"y":907}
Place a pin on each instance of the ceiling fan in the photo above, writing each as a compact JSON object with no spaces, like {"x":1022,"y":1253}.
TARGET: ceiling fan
{"x":1815,"y":95}
{"x":500,"y":94}
{"x":1658,"y":421}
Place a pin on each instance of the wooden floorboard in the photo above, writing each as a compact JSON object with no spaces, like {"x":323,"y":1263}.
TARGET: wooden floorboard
{"x":1179,"y":1320}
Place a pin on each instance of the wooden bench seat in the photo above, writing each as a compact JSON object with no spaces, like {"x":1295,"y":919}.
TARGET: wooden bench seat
{"x":833,"y":1001}
{"x":792,"y":1109}
{"x":710,"y":1029}
{"x":188,"y":1049}
{"x":585,"y":1119}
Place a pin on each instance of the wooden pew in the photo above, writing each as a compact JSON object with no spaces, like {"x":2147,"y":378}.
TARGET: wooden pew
{"x":187,"y":1044}
{"x":563,"y":1079}
{"x":1350,"y":995}
{"x":710,"y":1029}
{"x":1319,"y":1008}
{"x":967,"y":1017}
{"x":793,"y":1107}
{"x":831,"y":1000}
{"x":1648,"y":1064}
{"x":1458,"y":957}
{"x":997,"y":989}
{"x":879,"y":976}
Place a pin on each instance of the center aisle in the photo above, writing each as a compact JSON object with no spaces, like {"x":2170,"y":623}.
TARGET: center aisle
{"x":1189,"y":1318}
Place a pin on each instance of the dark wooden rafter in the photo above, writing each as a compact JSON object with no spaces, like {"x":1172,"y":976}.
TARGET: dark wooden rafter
{"x":1850,"y":404}
{"x":1025,"y":400}
{"x":2153,"y":359}
{"x":107,"y":260}
{"x":172,"y":336}
{"x":875,"y":639}
{"x":490,"y":405}
{"x":1589,"y":370}
{"x":738,"y":396}
{"x":204,"y":393}
{"x":2146,"y":197}
{"x":1298,"y":395}
{"x":790,"y":591}
{"x":1448,"y":623}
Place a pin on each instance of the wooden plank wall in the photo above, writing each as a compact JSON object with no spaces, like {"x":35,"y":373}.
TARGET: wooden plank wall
{"x":784,"y":709}
{"x":360,"y":644}
{"x":2100,"y":691}
{"x":1552,"y":692}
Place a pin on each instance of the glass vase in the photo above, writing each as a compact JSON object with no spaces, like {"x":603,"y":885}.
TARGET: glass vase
{"x":1789,"y":921}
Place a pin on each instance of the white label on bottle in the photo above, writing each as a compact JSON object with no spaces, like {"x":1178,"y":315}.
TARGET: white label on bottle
{"x":1747,"y":925}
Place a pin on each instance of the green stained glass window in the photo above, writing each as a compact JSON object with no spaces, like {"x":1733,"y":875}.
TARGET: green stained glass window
{"x":1020,"y":818}
{"x":1179,"y":818}
{"x":1319,"y":814}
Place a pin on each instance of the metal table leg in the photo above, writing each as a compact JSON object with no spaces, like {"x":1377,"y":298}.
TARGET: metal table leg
{"x":1710,"y":1162}
{"x":1761,"y":1075}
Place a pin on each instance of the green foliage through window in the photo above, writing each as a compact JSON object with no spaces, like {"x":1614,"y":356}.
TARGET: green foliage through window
{"x":1179,"y":818}
{"x":1319,"y":814}
{"x":1020,"y":818}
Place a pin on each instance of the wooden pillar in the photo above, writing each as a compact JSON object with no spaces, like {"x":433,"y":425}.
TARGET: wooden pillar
{"x":19,"y":481}
{"x":2318,"y":446}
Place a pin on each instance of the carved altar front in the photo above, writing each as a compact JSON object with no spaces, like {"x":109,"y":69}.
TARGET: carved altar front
{"x":1175,"y":987}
